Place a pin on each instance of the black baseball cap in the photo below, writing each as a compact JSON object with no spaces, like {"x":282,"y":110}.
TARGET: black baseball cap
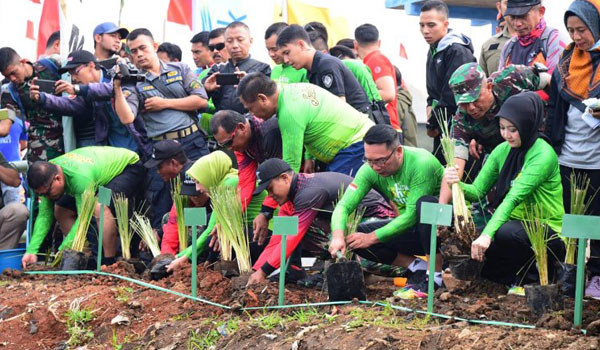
{"x":269,"y":170}
{"x":76,"y":59}
{"x":520,"y":7}
{"x":188,"y":186}
{"x":163,"y":150}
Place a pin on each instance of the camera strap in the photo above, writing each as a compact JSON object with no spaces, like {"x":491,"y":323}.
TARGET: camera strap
{"x":160,"y":86}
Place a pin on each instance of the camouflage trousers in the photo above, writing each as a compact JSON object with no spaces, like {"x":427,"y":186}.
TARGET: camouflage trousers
{"x":44,"y":149}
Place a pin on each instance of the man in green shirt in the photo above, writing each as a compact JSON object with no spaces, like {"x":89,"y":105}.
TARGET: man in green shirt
{"x":407,"y":177}
{"x":281,"y":73}
{"x":118,"y":169}
{"x":361,"y":71}
{"x":310,"y":118}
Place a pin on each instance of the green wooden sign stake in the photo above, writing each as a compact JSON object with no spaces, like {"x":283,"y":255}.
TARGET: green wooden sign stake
{"x":284,"y":226}
{"x":436,"y":215}
{"x":194,"y":217}
{"x":104,"y":195}
{"x":582,"y":227}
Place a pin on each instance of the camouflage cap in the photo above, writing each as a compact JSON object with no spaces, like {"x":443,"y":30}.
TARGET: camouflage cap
{"x":466,"y":81}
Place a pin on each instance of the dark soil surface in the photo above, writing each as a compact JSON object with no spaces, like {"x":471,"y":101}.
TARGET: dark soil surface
{"x":34,"y":315}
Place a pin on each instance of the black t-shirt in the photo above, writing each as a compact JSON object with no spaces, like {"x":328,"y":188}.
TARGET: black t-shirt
{"x":332,"y":74}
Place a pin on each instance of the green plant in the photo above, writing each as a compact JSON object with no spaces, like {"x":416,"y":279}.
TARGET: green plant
{"x":141,"y":226}
{"x":208,"y":340}
{"x":352,"y":221}
{"x":179,"y":202}
{"x":115,"y":341}
{"x":125,"y":233}
{"x":580,"y":185}
{"x":463,"y":221}
{"x":269,"y":320}
{"x":77,"y":324}
{"x":124,"y":294}
{"x":86,"y":210}
{"x":537,"y":232}
{"x":231,"y":225}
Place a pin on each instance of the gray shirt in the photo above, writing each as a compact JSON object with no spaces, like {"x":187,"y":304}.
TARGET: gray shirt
{"x":181,"y":81}
{"x":581,"y":149}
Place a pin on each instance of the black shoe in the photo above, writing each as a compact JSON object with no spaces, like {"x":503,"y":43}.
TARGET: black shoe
{"x":417,"y":280}
{"x":312,"y":281}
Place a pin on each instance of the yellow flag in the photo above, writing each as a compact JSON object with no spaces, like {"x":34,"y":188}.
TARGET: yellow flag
{"x":300,"y":13}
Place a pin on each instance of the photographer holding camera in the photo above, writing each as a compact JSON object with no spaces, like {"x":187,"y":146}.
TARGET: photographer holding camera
{"x":92,"y":89}
{"x":168,"y":97}
{"x":45,"y":132}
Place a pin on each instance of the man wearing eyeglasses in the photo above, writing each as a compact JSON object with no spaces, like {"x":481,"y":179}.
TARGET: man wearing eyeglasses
{"x":311,"y":198}
{"x":407,"y":177}
{"x":71,"y":174}
{"x":479,"y":99}
{"x":253,"y":142}
{"x":95,"y":120}
{"x":237,"y":43}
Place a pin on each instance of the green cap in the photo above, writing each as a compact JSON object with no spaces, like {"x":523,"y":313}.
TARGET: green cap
{"x":466,"y":82}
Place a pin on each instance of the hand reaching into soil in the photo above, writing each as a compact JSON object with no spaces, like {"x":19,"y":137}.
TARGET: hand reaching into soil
{"x":28,"y":259}
{"x":479,"y":247}
{"x":257,"y":277}
{"x":177,"y":263}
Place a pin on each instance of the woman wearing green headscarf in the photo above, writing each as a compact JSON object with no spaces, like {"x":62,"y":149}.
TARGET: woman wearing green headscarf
{"x":210,"y":171}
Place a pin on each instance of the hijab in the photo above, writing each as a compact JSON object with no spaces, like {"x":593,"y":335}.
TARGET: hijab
{"x":526,"y":112}
{"x":577,"y":71}
{"x":212,"y":169}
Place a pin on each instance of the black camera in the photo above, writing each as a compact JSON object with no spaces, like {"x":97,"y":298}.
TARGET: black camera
{"x":129,"y":74}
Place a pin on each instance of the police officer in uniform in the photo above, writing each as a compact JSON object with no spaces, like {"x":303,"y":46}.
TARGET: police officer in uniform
{"x":168,"y":100}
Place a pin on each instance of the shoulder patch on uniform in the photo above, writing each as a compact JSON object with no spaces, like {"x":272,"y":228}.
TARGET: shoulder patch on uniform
{"x":173,"y":73}
{"x":126,"y":93}
{"x":195,"y":85}
{"x":327,"y":80}
{"x":494,"y":46}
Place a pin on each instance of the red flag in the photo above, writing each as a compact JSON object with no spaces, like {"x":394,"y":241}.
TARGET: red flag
{"x":180,"y":11}
{"x":49,"y":23}
{"x":29,"y":33}
{"x":403,"y":52}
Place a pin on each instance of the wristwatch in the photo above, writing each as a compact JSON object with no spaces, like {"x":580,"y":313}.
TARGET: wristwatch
{"x":76,"y":89}
{"x":268,"y":215}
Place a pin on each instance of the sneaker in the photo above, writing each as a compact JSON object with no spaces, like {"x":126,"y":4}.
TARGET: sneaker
{"x":592,"y":290}
{"x":417,"y":280}
{"x":516,"y":290}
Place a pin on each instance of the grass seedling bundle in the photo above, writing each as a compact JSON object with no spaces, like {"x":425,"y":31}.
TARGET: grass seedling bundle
{"x":231,"y":222}
{"x":353,"y":220}
{"x":179,"y":202}
{"x":125,"y":232}
{"x":580,"y":185}
{"x":537,"y":232}
{"x":88,"y":205}
{"x":463,"y":221}
{"x":141,"y":226}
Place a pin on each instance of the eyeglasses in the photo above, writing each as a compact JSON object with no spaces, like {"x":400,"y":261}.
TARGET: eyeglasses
{"x":229,"y":142}
{"x":47,"y":193}
{"x":76,"y":70}
{"x":378,"y":162}
{"x":218,"y":47}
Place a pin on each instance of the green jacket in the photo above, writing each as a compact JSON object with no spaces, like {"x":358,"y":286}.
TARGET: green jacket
{"x":538,"y":182}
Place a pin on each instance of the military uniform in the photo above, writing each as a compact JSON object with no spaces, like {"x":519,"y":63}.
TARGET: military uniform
{"x":45,"y":132}
{"x":466,"y":84}
{"x":491,"y":50}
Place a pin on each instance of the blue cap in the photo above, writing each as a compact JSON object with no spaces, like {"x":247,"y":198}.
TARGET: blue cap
{"x":108,"y":28}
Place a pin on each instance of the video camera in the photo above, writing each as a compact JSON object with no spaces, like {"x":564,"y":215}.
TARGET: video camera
{"x":129,"y":74}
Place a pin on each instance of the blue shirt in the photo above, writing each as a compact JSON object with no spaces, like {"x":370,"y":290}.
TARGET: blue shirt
{"x":9,"y":144}
{"x":118,"y":135}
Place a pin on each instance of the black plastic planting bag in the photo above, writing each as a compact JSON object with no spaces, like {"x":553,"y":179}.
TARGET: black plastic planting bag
{"x":566,"y":277}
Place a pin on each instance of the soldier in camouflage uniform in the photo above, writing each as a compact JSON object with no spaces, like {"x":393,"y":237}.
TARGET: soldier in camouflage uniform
{"x":45,"y":132}
{"x":479,"y":99}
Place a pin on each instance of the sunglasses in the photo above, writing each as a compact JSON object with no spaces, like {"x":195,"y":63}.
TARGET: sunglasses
{"x":218,"y":47}
{"x":229,"y":142}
